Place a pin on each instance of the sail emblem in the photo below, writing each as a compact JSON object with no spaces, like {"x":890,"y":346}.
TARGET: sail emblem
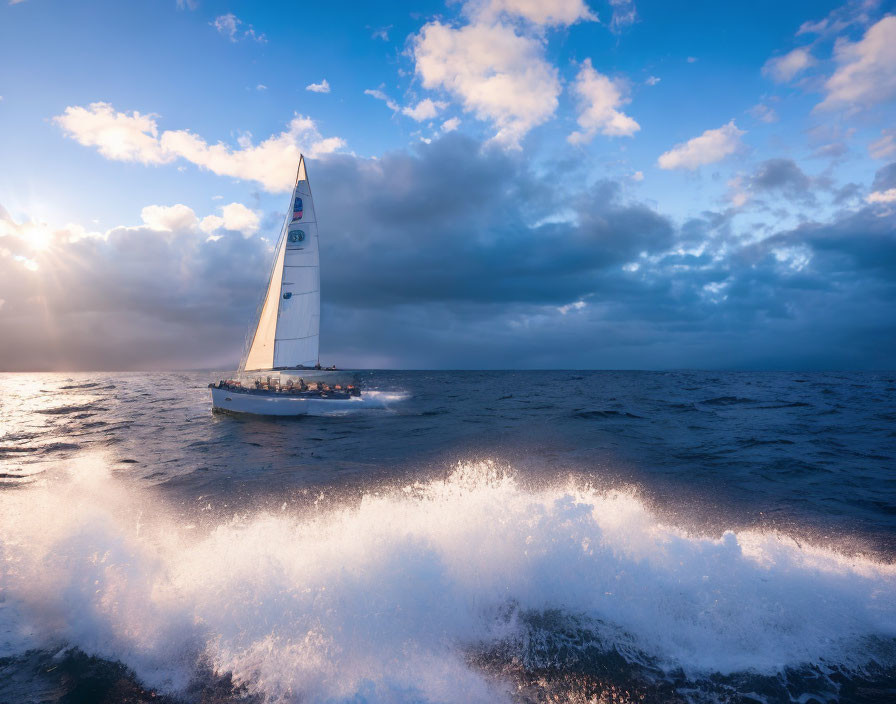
{"x":296,"y":236}
{"x":297,"y":210}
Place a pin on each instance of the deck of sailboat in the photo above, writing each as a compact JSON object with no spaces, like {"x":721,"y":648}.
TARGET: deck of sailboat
{"x":273,"y":403}
{"x":331,"y":394}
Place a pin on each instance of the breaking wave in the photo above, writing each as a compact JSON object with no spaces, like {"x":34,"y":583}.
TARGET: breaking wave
{"x":471,"y":588}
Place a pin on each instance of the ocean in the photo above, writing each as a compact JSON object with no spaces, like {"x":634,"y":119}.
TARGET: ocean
{"x":515,"y":536}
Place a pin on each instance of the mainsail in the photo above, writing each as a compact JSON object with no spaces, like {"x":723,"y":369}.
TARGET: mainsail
{"x":287,"y":332}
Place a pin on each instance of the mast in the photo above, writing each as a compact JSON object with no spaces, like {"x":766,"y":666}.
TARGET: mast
{"x":287,"y":327}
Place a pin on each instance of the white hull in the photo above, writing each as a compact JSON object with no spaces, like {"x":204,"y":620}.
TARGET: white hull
{"x":281,"y":405}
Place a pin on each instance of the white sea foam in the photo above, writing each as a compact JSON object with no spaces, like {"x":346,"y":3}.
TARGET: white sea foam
{"x":381,"y":399}
{"x":369,"y":400}
{"x":381,"y":599}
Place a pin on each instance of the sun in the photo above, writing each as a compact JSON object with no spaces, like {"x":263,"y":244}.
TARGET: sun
{"x":38,"y":236}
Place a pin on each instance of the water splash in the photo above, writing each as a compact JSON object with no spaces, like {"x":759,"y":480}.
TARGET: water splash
{"x":407,"y":593}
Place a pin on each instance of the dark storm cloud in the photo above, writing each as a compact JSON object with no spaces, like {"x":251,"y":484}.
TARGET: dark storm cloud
{"x":782,"y":177}
{"x":780,"y":174}
{"x":451,"y":222}
{"x":452,"y":255}
{"x":704,"y":294}
{"x":843,"y":195}
{"x":862,"y":243}
{"x":885,"y":178}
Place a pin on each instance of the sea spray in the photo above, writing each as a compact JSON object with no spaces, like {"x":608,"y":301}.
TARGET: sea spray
{"x":403,"y":594}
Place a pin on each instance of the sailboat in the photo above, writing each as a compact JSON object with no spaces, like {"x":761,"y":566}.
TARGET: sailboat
{"x":280,"y":372}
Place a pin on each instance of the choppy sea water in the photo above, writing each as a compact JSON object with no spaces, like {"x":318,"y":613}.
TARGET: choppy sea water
{"x":465,"y":537}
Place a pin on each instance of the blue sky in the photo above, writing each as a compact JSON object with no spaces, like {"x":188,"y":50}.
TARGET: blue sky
{"x":702,"y":158}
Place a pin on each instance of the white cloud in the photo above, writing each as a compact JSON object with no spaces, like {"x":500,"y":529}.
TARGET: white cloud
{"x":210,"y":223}
{"x":553,"y":13}
{"x":136,"y":137}
{"x":709,"y":147}
{"x":240,"y":218}
{"x":227,"y":25}
{"x":764,"y":113}
{"x":652,"y":80}
{"x":783,"y":68}
{"x":714,"y":291}
{"x":234,"y":216}
{"x":230,"y":26}
{"x":271,"y":163}
{"x":181,"y":218}
{"x":624,"y":13}
{"x":117,"y":135}
{"x":888,"y":196}
{"x":810,"y":27}
{"x":451,"y":124}
{"x":599,"y":97}
{"x":498,"y":75}
{"x":578,"y":305}
{"x":260,"y":38}
{"x":853,"y":12}
{"x":322,"y":87}
{"x":885,"y":147}
{"x":865,"y":74}
{"x":380,"y":95}
{"x":261,"y":86}
{"x":167,"y":218}
{"x":26,"y":262}
{"x":796,"y":258}
{"x":426,"y":109}
{"x":638,"y":176}
{"x":738,"y":193}
{"x":495,"y":65}
{"x":692,"y":59}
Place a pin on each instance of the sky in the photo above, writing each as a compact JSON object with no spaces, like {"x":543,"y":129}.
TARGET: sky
{"x":623,"y":184}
